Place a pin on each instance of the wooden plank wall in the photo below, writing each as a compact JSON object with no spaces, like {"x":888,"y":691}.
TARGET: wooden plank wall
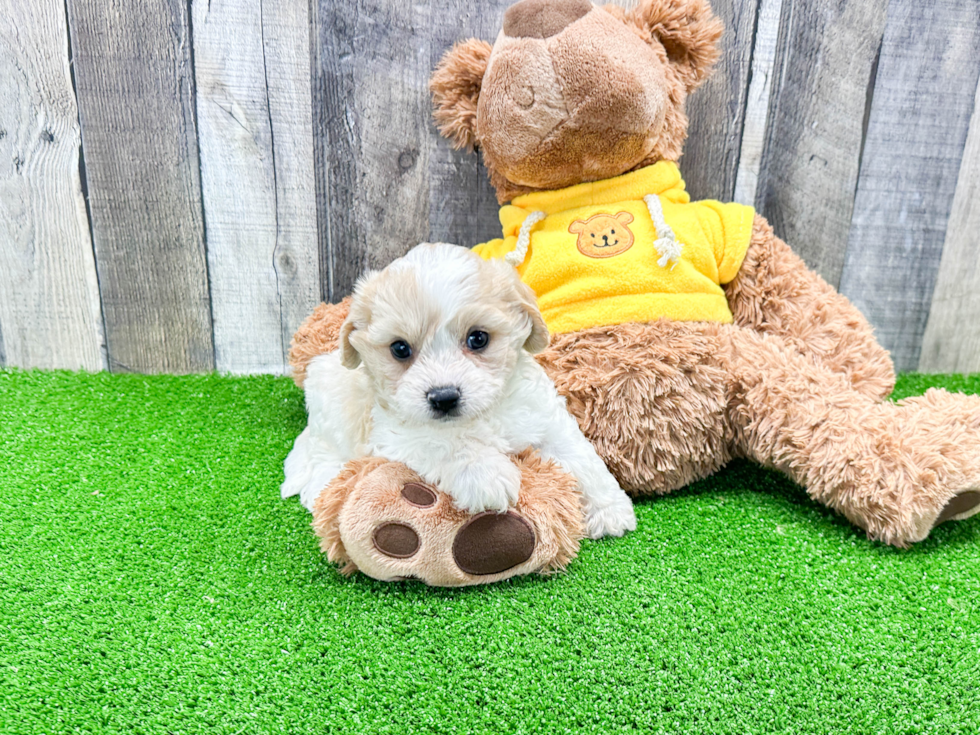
{"x":50,"y":314}
{"x":255,"y":132}
{"x":135,"y":86}
{"x":181,"y":182}
{"x":917,"y":128}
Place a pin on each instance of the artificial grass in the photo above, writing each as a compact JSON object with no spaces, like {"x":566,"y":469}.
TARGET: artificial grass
{"x":151,"y":581}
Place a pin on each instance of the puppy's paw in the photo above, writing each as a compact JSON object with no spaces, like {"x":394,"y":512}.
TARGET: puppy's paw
{"x":491,"y":484}
{"x":289,"y":488}
{"x":613,"y":519}
{"x":297,"y":467}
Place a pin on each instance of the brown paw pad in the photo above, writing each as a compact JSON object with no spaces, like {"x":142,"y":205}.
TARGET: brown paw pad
{"x":418,"y":495}
{"x":962,"y":503}
{"x":396,"y":540}
{"x":491,"y":543}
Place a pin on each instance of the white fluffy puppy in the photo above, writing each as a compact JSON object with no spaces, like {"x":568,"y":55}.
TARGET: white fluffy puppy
{"x":434,"y":370}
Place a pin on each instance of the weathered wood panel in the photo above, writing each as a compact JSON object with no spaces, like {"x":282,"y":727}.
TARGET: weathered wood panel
{"x":287,"y":37}
{"x":320,"y":159}
{"x":757,"y":101}
{"x":923,"y":99}
{"x":951,"y":342}
{"x":134,"y":81}
{"x":716,"y":110}
{"x":49,"y":298}
{"x":371,"y":124}
{"x":251,"y":65}
{"x":823,"y":70}
{"x":462,"y":204}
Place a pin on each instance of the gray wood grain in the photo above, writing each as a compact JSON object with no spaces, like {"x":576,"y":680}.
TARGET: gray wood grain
{"x":716,"y":110}
{"x":371,"y":131}
{"x":462,"y":205}
{"x":823,"y":69}
{"x":757,"y":100}
{"x":251,"y":65}
{"x":287,"y":36}
{"x":50,"y":315}
{"x":923,"y":100}
{"x":134,"y":80}
{"x":951,"y":342}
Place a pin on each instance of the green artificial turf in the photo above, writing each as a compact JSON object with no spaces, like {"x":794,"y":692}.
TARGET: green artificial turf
{"x":152,"y":581}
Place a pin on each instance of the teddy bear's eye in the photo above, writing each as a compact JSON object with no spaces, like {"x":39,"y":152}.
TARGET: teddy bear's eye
{"x":613,"y":232}
{"x":593,"y":235}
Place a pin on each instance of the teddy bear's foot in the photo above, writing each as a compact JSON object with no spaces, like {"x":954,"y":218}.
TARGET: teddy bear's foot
{"x":379,"y":517}
{"x":959,"y":508}
{"x":942,"y":437}
{"x":963,"y":506}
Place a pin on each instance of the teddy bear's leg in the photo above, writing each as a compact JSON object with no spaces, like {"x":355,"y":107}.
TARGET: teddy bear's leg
{"x":775,"y":293}
{"x":381,"y":518}
{"x":650,"y":397}
{"x":894,"y":469}
{"x":317,"y":335}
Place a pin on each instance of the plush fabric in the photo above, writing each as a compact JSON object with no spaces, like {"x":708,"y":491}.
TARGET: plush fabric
{"x":581,"y":286}
{"x":317,"y":335}
{"x":370,"y":495}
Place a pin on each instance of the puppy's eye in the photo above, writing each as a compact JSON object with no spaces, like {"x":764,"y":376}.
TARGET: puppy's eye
{"x":613,"y":232}
{"x":401,"y":350}
{"x":477,"y":340}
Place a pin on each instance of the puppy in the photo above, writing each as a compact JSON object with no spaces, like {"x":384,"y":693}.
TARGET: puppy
{"x":435,"y":371}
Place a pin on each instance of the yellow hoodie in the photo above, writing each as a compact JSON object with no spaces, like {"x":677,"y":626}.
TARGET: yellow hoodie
{"x":596,"y":256}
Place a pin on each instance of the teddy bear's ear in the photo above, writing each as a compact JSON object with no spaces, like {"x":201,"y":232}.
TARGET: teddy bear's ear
{"x":576,"y":227}
{"x":688,"y":31}
{"x":624,"y":217}
{"x":455,"y":87}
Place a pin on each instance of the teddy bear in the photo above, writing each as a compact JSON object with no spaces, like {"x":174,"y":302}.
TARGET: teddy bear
{"x":684,"y":334}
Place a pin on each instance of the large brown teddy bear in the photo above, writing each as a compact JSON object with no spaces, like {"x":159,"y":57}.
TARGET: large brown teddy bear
{"x":683,"y":334}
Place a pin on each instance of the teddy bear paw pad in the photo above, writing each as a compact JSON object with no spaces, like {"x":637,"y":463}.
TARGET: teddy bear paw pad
{"x":491,"y":543}
{"x":396,"y":540}
{"x":418,"y":495}
{"x":962,"y":503}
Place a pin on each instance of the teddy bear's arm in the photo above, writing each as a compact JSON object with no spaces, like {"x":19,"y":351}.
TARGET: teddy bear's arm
{"x":775,"y":293}
{"x":317,"y":335}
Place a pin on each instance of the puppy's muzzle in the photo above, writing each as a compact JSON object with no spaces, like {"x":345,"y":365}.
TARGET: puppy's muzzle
{"x":443,"y":400}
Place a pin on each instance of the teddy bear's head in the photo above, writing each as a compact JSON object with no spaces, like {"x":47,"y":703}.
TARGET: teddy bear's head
{"x":572,"y":92}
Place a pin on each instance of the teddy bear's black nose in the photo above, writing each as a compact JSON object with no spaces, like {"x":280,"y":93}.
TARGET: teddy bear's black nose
{"x":443,"y":399}
{"x":543,"y":18}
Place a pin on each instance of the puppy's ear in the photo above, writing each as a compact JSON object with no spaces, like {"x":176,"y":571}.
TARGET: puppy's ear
{"x":455,"y":87}
{"x":688,"y":31}
{"x":537,"y":340}
{"x":358,"y":318}
{"x":576,"y":227}
{"x":349,"y":357}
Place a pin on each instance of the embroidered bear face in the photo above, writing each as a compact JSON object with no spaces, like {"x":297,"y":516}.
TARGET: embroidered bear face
{"x":603,"y":235}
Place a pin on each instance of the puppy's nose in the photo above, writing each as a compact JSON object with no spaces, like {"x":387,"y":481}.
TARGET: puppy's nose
{"x":443,"y":399}
{"x":543,"y":18}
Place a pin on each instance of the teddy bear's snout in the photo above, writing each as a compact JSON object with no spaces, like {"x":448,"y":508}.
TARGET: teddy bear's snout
{"x":543,"y":18}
